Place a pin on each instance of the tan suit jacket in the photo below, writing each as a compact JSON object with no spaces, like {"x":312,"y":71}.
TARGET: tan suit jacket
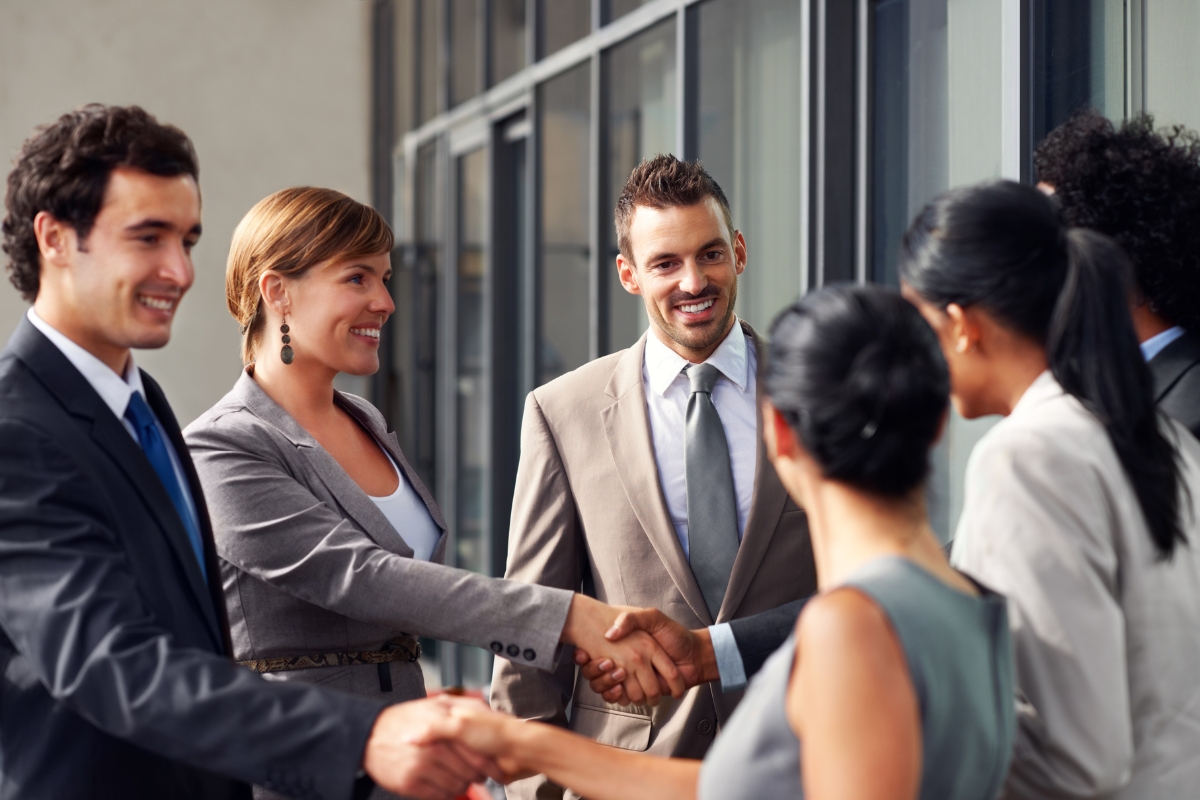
{"x":589,"y":512}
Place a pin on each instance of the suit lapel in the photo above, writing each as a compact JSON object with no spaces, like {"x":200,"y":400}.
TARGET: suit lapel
{"x":627,"y":427}
{"x":61,"y":378}
{"x":766,"y":505}
{"x":353,"y":500}
{"x":1169,"y":365}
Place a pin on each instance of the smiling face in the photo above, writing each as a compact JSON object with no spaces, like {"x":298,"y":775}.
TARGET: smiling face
{"x":686,"y":264}
{"x":334,"y":313}
{"x":120,"y":287}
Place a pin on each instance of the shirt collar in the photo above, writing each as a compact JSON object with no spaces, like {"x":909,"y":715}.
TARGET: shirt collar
{"x":664,"y":365}
{"x":1157,"y":343}
{"x":113,"y":389}
{"x":1044,"y":387}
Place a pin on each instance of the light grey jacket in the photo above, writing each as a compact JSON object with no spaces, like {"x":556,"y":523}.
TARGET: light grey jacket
{"x":310,"y":565}
{"x":1106,"y":636}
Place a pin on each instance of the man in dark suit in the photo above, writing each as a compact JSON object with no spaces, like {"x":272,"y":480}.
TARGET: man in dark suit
{"x":115,"y":676}
{"x":1142,"y":188}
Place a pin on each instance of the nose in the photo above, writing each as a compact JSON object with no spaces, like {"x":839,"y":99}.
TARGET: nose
{"x":382,"y":302}
{"x":692,"y":279}
{"x":178,"y":267}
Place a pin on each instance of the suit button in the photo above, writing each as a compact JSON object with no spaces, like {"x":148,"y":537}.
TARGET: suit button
{"x":497,"y":647}
{"x":529,"y":655}
{"x":513,"y":651}
{"x":704,"y":727}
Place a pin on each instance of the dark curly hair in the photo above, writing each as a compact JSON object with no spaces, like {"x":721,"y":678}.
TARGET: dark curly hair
{"x":1142,"y":188}
{"x":63,"y":169}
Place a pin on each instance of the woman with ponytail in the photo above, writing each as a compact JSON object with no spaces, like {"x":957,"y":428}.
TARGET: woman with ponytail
{"x":1079,"y":504}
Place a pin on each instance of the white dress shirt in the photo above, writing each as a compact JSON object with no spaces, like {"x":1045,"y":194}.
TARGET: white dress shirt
{"x":733,"y":395}
{"x":115,"y":391}
{"x":409,"y":516}
{"x":1157,"y":343}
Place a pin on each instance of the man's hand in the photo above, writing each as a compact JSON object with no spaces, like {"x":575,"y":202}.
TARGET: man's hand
{"x":692,"y":652}
{"x":648,"y":672}
{"x":404,"y":756}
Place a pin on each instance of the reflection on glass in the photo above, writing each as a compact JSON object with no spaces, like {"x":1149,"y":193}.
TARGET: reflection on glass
{"x":465,"y":72}
{"x":748,"y":114}
{"x":564,"y":249}
{"x":472,"y":422}
{"x":562,"y":22}
{"x":1078,"y":60}
{"x":508,"y":38}
{"x":430,"y":24}
{"x":619,"y":8}
{"x":639,"y":78}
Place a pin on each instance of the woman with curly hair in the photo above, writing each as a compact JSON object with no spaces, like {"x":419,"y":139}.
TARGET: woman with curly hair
{"x":1141,"y":187}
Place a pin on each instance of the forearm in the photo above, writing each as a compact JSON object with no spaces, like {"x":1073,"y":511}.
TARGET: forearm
{"x":600,"y":772}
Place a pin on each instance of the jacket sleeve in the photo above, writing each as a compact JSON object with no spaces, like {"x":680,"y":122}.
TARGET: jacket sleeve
{"x":272,"y":527}
{"x":1037,"y":527}
{"x":544,"y":548}
{"x":71,"y":607}
{"x":760,"y":635}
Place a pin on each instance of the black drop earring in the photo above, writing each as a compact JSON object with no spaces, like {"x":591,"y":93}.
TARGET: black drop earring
{"x":286,"y":354}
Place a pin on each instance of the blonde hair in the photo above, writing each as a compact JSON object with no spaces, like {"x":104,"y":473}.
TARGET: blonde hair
{"x":289,"y":232}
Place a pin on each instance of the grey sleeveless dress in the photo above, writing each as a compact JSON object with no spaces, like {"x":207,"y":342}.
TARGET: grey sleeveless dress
{"x":960,"y":660}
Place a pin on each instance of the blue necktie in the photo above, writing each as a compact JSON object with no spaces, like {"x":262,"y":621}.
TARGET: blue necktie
{"x":155,"y":449}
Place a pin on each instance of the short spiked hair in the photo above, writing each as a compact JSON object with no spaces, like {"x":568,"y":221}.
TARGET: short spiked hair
{"x":665,"y":182}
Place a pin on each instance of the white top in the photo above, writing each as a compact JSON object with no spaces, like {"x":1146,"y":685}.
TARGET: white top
{"x":115,"y":391}
{"x":1157,"y":343}
{"x":1106,"y":635}
{"x":733,"y":395}
{"x":409,"y":516}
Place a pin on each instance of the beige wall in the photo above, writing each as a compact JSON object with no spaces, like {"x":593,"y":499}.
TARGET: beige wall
{"x":274,"y":93}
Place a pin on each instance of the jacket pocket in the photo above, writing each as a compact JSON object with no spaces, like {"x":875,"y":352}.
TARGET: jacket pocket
{"x":613,"y":728}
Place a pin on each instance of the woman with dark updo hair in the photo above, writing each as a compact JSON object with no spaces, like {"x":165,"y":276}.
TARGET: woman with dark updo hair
{"x":897,"y":682}
{"x":1079,"y":503}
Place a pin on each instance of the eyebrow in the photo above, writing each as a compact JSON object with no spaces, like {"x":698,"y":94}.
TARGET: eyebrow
{"x":158,"y":225}
{"x":706,"y":246}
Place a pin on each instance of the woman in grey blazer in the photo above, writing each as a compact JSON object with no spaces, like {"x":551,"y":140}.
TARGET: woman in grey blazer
{"x":330,"y":545}
{"x":1079,"y":504}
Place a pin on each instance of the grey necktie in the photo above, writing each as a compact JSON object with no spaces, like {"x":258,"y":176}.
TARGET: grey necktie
{"x":712,"y":508}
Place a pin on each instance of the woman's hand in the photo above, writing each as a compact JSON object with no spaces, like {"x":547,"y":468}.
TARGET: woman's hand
{"x":495,"y":736}
{"x":650,"y":672}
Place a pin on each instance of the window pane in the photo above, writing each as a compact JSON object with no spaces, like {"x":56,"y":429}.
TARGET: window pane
{"x":424,"y":304}
{"x":619,"y":8}
{"x":472,"y":422}
{"x":563,"y":22}
{"x":748,"y":114}
{"x":564,"y":249}
{"x":639,"y":79}
{"x":465,"y":72}
{"x":430,"y":40}
{"x":1173,"y":63}
{"x":1078,"y":60}
{"x":406,"y":31}
{"x":508,"y":38}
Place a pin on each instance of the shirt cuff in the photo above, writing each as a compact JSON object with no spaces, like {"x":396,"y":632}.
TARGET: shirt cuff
{"x":729,"y":658}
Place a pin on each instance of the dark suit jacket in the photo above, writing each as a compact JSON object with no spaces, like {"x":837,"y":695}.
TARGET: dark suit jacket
{"x":115,"y":680}
{"x":1177,"y":381}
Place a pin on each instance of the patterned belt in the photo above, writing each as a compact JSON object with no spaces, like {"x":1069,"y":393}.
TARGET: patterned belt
{"x":402,"y":648}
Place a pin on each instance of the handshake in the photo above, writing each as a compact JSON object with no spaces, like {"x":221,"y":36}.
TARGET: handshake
{"x":434,"y":749}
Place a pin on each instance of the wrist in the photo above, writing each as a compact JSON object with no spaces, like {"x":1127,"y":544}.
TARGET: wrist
{"x":706,"y":657}
{"x":585,"y":620}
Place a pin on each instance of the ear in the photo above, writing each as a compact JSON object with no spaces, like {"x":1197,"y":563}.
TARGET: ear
{"x":965,"y":330}
{"x":627,"y":273}
{"x":274,"y":292}
{"x":778,"y":435}
{"x":56,"y":239}
{"x":739,"y":252}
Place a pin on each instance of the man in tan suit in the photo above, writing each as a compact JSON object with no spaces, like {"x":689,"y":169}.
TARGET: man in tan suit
{"x":631,"y":484}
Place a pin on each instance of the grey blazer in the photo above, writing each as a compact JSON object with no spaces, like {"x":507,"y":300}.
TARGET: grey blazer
{"x":310,"y":565}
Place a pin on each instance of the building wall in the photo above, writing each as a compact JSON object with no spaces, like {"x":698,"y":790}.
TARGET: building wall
{"x":274,"y":93}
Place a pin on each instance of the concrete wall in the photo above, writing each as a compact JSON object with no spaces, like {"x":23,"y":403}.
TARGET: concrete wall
{"x":274,"y":93}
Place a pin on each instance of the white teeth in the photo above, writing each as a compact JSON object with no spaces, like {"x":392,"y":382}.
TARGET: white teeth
{"x":156,"y":303}
{"x":372,"y":332}
{"x":697,"y":307}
